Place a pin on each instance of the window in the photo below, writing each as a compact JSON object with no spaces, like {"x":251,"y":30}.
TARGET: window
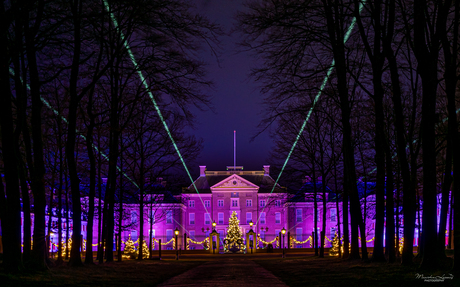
{"x":235,"y":194}
{"x":277,"y":232}
{"x":262,"y":203}
{"x":262,"y":234}
{"x":133,"y":217}
{"x":169,"y":234}
{"x":248,"y":202}
{"x":152,"y":231}
{"x":191,"y":217}
{"x":262,"y":218}
{"x":298,"y":215}
{"x":192,"y":234}
{"x":298,"y":234}
{"x":333,"y":214}
{"x":248,"y":217}
{"x":151,"y":216}
{"x":169,"y":216}
{"x":234,"y":202}
{"x":207,"y":203}
{"x":191,"y":203}
{"x":133,"y":235}
{"x":220,"y":217}
{"x":221,"y":235}
{"x":278,"y":217}
{"x":220,"y":203}
{"x":207,"y":219}
{"x":277,"y":203}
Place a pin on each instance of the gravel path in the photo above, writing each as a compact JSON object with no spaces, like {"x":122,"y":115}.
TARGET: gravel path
{"x":230,"y":272}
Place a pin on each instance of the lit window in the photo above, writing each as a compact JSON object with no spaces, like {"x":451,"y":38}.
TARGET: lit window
{"x":133,"y":217}
{"x":220,"y":218}
{"x":262,"y":203}
{"x":169,"y":234}
{"x":262,"y":218}
{"x":278,"y":217}
{"x":234,"y":202}
{"x":299,"y":215}
{"x":192,"y":218}
{"x":220,"y":203}
{"x":298,"y":234}
{"x":333,"y":214}
{"x":169,"y":216}
{"x":151,"y":218}
{"x":207,"y":203}
{"x":248,"y":202}
{"x":191,"y":203}
{"x":248,"y":217}
{"x":207,"y":219}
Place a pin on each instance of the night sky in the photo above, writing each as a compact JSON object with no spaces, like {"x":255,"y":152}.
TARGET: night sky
{"x":236,"y":99}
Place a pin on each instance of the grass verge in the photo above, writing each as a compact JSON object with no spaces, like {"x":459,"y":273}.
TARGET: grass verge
{"x":126,"y":273}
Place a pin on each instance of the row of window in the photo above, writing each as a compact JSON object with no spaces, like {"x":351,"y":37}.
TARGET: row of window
{"x":234,"y":203}
{"x":333,"y":214}
{"x":220,"y":218}
{"x":207,"y":220}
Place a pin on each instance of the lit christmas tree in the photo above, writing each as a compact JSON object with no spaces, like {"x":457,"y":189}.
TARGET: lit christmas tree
{"x":334,"y":251}
{"x":233,"y":241}
{"x":129,"y":247}
{"x":145,"y":251}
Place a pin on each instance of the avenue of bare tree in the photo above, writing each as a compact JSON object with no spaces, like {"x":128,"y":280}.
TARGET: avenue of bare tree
{"x":377,"y":80}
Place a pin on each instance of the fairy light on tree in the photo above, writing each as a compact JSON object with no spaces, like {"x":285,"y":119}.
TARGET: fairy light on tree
{"x":233,"y":242}
{"x":129,"y":247}
{"x":334,"y":251}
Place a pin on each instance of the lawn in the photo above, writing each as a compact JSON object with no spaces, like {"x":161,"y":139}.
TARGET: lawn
{"x":126,"y":273}
{"x":331,"y":271}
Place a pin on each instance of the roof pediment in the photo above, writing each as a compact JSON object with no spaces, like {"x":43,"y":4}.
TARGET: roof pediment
{"x":234,"y":181}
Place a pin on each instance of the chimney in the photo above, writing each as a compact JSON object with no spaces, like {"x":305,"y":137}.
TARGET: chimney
{"x":266,"y":170}
{"x":202,"y":170}
{"x":307,"y":179}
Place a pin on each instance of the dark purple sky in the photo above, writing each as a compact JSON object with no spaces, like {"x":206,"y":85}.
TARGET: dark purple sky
{"x":236,"y":99}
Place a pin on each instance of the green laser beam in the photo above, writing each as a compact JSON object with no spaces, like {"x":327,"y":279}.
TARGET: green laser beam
{"x":323,"y":85}
{"x":149,"y":92}
{"x":77,"y":131}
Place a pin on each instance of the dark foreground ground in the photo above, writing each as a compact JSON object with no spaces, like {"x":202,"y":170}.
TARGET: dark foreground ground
{"x":234,"y":270}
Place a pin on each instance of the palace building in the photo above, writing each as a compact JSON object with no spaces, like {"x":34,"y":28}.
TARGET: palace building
{"x":212,"y":198}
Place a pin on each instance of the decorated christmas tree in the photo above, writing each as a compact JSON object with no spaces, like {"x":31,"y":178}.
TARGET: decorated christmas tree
{"x":129,"y":247}
{"x":334,"y":251}
{"x":145,"y":251}
{"x":233,"y":241}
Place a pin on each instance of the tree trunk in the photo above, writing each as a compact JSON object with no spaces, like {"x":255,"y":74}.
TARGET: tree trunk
{"x":10,"y":204}
{"x":445,"y":191}
{"x":38,"y":187}
{"x":390,"y":220}
{"x":451,"y":78}
{"x":61,"y":174}
{"x":408,"y":185}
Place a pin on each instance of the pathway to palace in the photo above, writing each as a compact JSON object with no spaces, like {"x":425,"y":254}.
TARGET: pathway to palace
{"x":226,"y":272}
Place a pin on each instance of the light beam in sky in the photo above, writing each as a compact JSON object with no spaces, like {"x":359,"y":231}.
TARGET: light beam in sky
{"x":149,"y":92}
{"x":326,"y":79}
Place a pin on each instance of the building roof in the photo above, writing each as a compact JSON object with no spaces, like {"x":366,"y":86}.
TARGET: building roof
{"x":264,"y":181}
